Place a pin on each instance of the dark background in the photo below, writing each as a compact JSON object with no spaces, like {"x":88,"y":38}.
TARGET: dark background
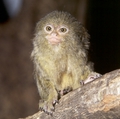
{"x":18,"y":92}
{"x":103,"y":24}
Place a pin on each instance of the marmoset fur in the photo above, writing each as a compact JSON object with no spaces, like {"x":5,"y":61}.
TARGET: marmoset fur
{"x":60,"y":57}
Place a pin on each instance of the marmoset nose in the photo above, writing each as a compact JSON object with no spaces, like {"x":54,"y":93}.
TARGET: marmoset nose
{"x":54,"y":34}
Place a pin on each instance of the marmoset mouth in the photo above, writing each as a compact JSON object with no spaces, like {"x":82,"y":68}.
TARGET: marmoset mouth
{"x":53,"y":40}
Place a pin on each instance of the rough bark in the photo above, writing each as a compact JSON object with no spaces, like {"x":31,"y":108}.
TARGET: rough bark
{"x":99,"y":99}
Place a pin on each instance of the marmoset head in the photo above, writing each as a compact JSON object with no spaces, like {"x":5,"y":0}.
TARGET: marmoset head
{"x":58,"y":27}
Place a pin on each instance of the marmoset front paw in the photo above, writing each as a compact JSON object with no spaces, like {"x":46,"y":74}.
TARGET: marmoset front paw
{"x":48,"y":106}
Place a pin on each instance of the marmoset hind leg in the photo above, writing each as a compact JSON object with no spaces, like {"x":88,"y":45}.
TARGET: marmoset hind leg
{"x":91,"y":77}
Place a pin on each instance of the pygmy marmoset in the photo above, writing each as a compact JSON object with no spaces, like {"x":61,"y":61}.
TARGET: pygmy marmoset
{"x":60,"y":57}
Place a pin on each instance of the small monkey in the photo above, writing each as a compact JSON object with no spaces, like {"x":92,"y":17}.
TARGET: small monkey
{"x":60,"y":57}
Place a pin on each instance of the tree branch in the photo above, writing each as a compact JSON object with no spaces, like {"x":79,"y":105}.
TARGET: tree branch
{"x":99,"y":99}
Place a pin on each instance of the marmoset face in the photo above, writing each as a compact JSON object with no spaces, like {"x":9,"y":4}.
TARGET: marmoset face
{"x":55,"y":34}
